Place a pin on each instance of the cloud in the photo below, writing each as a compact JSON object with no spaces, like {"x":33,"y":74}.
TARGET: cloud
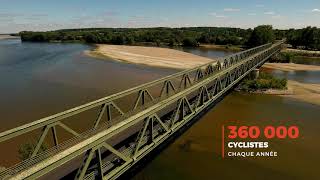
{"x":315,"y":10}
{"x":14,"y":15}
{"x":269,"y":13}
{"x":217,"y":15}
{"x":276,"y":17}
{"x":231,"y":10}
{"x":259,"y":5}
{"x":252,"y":14}
{"x":221,"y":16}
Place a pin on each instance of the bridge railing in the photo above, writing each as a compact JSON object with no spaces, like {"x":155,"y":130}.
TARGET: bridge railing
{"x":201,"y":74}
{"x":109,"y":99}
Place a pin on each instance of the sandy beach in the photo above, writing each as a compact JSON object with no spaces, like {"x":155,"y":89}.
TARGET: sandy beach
{"x":8,"y":37}
{"x":301,"y":91}
{"x":300,"y":51}
{"x":291,"y":67}
{"x":169,"y":58}
{"x":152,"y":56}
{"x":305,"y":92}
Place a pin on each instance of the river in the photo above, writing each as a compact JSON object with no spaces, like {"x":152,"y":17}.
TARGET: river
{"x":40,"y":79}
{"x":197,"y":153}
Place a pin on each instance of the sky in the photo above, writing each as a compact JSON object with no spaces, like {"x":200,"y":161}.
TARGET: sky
{"x":44,"y":15}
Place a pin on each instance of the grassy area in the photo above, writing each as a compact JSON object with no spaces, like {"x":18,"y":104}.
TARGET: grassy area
{"x":263,"y":82}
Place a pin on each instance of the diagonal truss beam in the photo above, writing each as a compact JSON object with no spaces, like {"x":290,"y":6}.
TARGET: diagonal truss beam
{"x":101,"y":136}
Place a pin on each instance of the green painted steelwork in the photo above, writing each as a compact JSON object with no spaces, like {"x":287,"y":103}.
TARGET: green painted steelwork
{"x":210,"y":82}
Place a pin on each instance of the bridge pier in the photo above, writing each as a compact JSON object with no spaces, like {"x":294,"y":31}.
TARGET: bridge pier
{"x":254,"y":74}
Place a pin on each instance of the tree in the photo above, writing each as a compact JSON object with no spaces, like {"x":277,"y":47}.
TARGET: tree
{"x":92,"y":38}
{"x":130,"y":40}
{"x":204,"y":38}
{"x":261,"y":35}
{"x":118,"y":39}
{"x":190,"y":42}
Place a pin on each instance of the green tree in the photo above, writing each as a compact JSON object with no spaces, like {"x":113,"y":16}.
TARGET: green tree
{"x":92,"y":38}
{"x":261,"y":35}
{"x":130,"y":40}
{"x":190,"y":42}
{"x":118,"y":39}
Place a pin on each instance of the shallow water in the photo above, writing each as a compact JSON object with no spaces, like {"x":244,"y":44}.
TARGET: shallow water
{"x":40,"y":79}
{"x":306,"y":60}
{"x":300,"y":76}
{"x":197,"y":153}
{"x":206,"y":52}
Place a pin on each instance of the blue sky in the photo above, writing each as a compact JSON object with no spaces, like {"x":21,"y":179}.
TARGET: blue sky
{"x":18,"y":15}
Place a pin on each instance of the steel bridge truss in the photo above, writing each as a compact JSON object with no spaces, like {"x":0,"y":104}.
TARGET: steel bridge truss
{"x":151,"y":119}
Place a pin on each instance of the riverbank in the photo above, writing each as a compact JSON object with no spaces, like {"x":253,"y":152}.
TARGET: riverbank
{"x":291,"y":67}
{"x":301,"y":52}
{"x":222,"y":47}
{"x":301,"y":91}
{"x":8,"y":37}
{"x":297,"y":56}
{"x":169,"y":58}
{"x":151,"y":56}
{"x":305,"y":92}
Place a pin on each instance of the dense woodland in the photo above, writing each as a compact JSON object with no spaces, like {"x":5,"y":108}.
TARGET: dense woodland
{"x":307,"y":38}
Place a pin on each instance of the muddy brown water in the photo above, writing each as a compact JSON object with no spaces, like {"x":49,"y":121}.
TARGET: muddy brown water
{"x":40,"y":79}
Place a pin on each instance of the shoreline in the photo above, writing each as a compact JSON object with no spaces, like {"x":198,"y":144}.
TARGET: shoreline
{"x":158,"y":57}
{"x":305,"y":92}
{"x":151,"y":56}
{"x":302,"y":52}
{"x":2,"y":37}
{"x":231,"y":48}
{"x":291,"y":67}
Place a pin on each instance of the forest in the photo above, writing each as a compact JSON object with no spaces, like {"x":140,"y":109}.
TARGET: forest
{"x":306,"y":38}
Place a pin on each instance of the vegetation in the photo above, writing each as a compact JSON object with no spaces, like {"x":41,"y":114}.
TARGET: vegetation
{"x":261,"y":35}
{"x":307,"y":38}
{"x":263,"y":82}
{"x":191,"y":36}
{"x":282,"y":57}
{"x":26,"y":149}
{"x":291,"y":56}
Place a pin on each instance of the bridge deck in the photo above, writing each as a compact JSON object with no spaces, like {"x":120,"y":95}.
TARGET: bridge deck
{"x":155,"y":118}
